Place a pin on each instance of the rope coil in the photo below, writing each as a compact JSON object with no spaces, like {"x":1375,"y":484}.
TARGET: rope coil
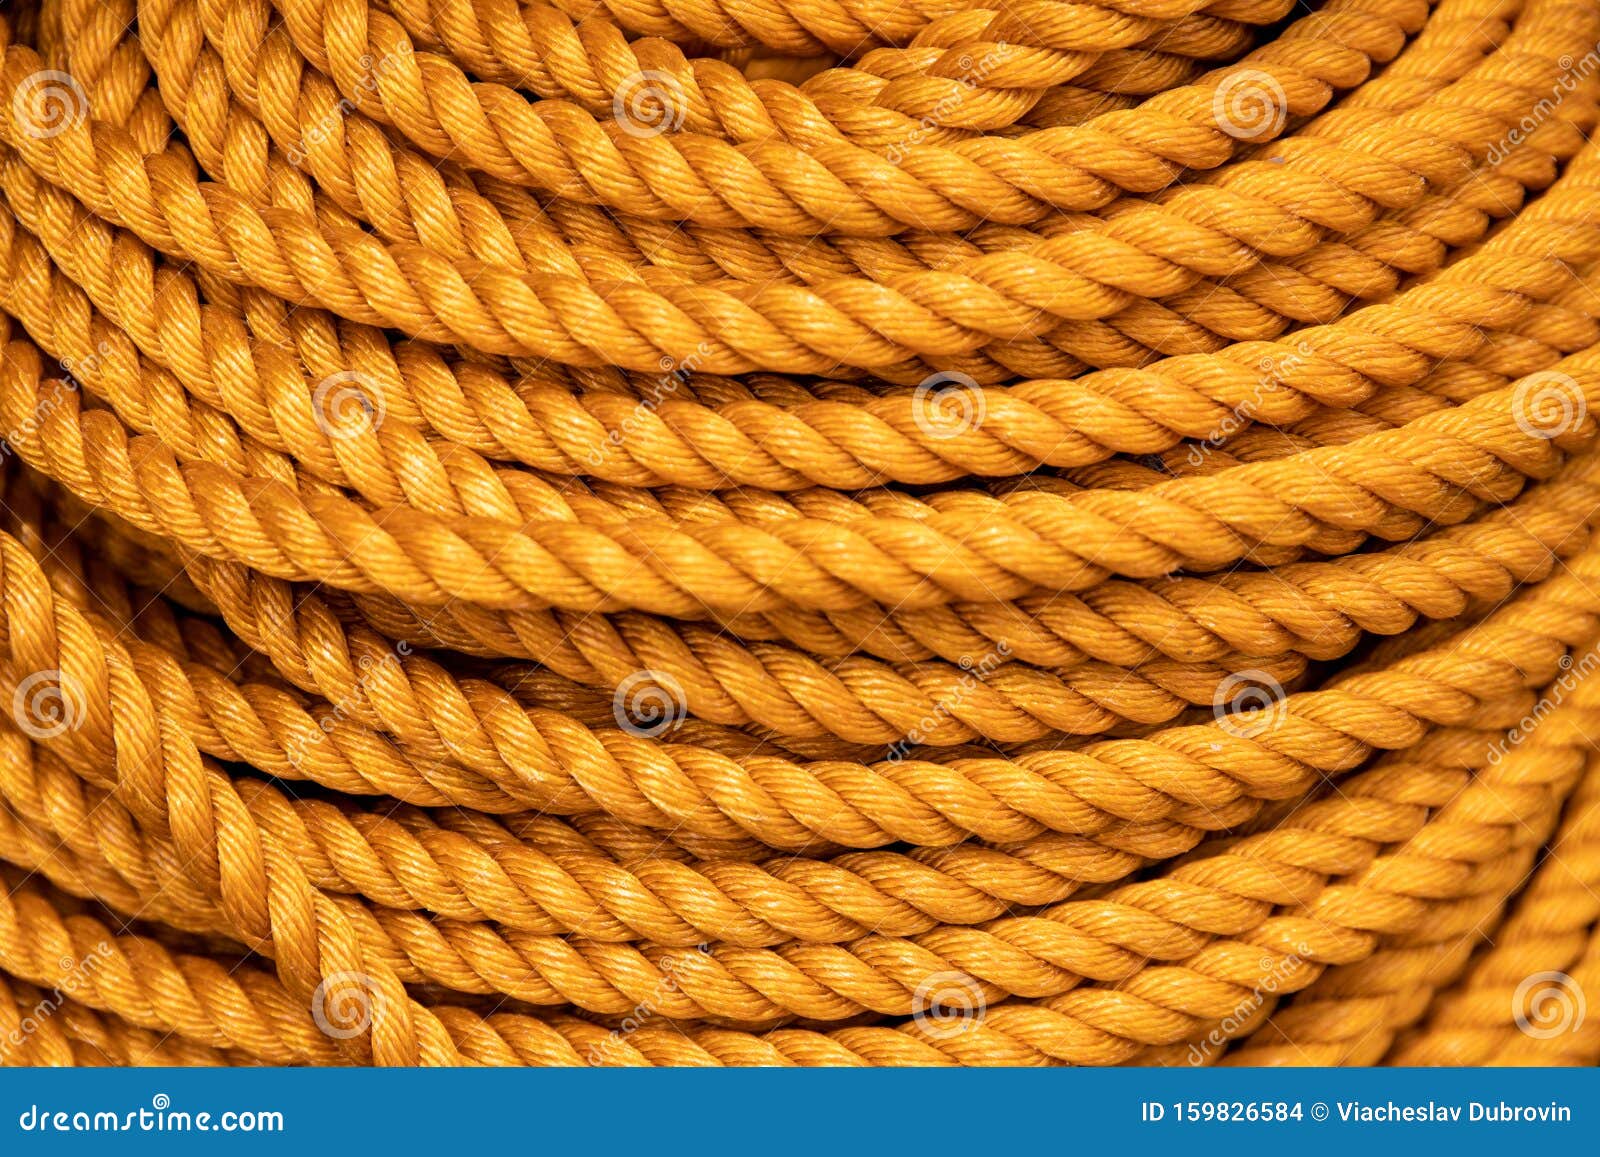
{"x":810,"y":534}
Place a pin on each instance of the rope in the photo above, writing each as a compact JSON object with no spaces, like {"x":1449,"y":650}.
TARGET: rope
{"x":681,"y":534}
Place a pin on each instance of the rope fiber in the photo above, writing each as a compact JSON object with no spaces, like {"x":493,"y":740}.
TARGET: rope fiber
{"x":693,"y":532}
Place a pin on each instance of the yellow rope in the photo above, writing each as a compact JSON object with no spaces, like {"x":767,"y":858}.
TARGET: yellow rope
{"x":710,"y":533}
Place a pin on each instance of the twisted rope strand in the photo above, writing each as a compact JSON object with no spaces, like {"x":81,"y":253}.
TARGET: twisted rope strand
{"x":827,"y":533}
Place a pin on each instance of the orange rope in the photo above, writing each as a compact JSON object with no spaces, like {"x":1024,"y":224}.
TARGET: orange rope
{"x":1058,"y":533}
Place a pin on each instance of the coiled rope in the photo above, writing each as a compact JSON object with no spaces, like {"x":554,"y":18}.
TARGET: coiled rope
{"x":828,"y":533}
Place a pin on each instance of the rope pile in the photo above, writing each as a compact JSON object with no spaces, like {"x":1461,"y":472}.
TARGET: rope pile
{"x":694,"y":532}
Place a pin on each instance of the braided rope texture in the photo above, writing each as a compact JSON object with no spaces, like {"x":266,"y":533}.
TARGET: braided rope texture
{"x":813,"y":532}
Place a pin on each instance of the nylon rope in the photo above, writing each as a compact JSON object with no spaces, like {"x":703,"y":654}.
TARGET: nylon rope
{"x":685,"y":532}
